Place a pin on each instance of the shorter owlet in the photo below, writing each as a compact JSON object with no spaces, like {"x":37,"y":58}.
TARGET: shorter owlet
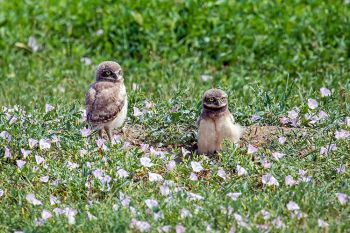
{"x":106,"y":99}
{"x":216,"y":123}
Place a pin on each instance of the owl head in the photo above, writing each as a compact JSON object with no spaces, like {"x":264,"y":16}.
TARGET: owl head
{"x":109,"y":71}
{"x":214,"y":99}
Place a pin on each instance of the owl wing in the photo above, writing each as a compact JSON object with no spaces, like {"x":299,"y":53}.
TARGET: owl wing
{"x":104,"y":105}
{"x":89,"y":100}
{"x":232,"y":119}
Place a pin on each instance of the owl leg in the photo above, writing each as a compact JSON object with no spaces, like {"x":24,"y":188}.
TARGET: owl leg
{"x":109,"y":133}
{"x":100,"y":133}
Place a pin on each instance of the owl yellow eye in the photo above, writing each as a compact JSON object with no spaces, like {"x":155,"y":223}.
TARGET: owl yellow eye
{"x":211,"y":99}
{"x":106,"y":73}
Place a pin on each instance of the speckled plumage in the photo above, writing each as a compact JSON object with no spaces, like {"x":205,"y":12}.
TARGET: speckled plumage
{"x":106,"y":99}
{"x":216,"y":123}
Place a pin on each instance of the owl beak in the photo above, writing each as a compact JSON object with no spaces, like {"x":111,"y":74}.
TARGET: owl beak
{"x":117,"y":77}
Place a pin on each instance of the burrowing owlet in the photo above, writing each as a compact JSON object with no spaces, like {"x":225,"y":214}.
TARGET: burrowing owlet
{"x":216,"y":123}
{"x":106,"y":99}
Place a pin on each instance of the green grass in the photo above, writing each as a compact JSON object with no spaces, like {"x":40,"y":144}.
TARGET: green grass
{"x":270,"y":56}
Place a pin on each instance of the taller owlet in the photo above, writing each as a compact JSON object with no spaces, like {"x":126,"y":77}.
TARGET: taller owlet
{"x":106,"y":99}
{"x":216,"y":123}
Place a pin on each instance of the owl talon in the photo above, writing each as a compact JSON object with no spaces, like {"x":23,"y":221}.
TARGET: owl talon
{"x":109,"y":133}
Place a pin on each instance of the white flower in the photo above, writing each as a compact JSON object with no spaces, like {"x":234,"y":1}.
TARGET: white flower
{"x":289,"y":180}
{"x":141,"y":226}
{"x":32,"y":142}
{"x":7,"y":152}
{"x":135,"y":86}
{"x":122,"y":173}
{"x":137,"y":112}
{"x":325,"y":92}
{"x":32,"y":199}
{"x":1,"y":192}
{"x":342,"y":198}
{"x":85,"y":132}
{"x":99,"y":32}
{"x":266,"y":215}
{"x":154,"y":177}
{"x":5,"y":135}
{"x":20,"y":163}
{"x":255,"y":118}
{"x":149,"y":104}
{"x":164,"y":190}
{"x":252,"y":149}
{"x":277,"y":155}
{"x":151,"y":203}
{"x":193,"y":196}
{"x":278,"y":223}
{"x":39,"y":222}
{"x":185,"y":213}
{"x":241,"y":171}
{"x":328,"y":148}
{"x":44,"y":179}
{"x":322,"y":223}
{"x":347,"y":121}
{"x":39,"y":160}
{"x":101,"y":143}
{"x":196,"y":166}
{"x":33,"y":44}
{"x":282,"y":140}
{"x":312,"y":103}
{"x":193,"y":176}
{"x":242,"y":222}
{"x":72,"y":165}
{"x":124,"y":200}
{"x":291,"y":206}
{"x":102,"y":176}
{"x":206,"y":78}
{"x":269,"y":180}
{"x":87,"y":61}
{"x":44,"y":144}
{"x":322,"y":115}
{"x":58,"y":211}
{"x":46,"y":214}
{"x":49,"y":108}
{"x":165,"y":228}
{"x":54,"y":200}
{"x":222,"y":173}
{"x":180,"y":229}
{"x":171,"y":165}
{"x":266,"y":164}
{"x":342,"y":134}
{"x":90,"y":216}
{"x":341,"y":169}
{"x":146,"y":162}
{"x":70,"y":213}
{"x":25,"y":153}
{"x":83,"y":152}
{"x":293,"y":114}
{"x":184,"y":151}
{"x":234,"y":196}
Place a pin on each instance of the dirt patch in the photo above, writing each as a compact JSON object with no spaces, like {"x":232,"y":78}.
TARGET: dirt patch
{"x":256,"y":135}
{"x":262,"y":135}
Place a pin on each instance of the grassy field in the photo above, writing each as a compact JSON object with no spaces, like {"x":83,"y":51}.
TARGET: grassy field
{"x":271,"y":57}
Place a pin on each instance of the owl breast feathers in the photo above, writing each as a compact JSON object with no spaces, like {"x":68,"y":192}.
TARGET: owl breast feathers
{"x":104,"y":101}
{"x":213,"y":130}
